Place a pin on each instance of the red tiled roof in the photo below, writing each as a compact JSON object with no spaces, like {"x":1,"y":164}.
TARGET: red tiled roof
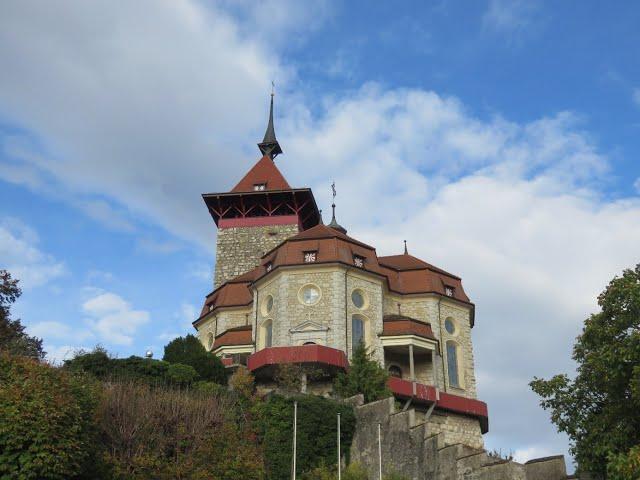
{"x":300,"y":354}
{"x":401,"y":325}
{"x":264,"y":171}
{"x":404,"y":274}
{"x":234,"y":336}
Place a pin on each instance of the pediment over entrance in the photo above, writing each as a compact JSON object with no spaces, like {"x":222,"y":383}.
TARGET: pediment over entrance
{"x":309,"y":326}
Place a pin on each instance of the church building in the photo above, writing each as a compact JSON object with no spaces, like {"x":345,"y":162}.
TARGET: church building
{"x":290,"y":290}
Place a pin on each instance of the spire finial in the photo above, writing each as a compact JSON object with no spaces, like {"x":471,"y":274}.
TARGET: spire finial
{"x":320,"y":214}
{"x":406,"y":252}
{"x":334,"y":224}
{"x":270,"y":145}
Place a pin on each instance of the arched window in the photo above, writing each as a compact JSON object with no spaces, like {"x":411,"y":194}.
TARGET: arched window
{"x":357,"y":331}
{"x":395,"y":371}
{"x":452,"y":364}
{"x":267,"y":328}
{"x":309,"y":343}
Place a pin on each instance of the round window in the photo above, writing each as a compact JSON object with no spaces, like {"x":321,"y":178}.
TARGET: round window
{"x":310,"y":294}
{"x":357,"y":297}
{"x":267,"y":305}
{"x":449,"y":326}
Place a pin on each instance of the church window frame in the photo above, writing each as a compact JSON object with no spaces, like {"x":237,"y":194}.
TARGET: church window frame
{"x":306,"y":298}
{"x":364,"y":299}
{"x":359,"y":331}
{"x":267,"y":305}
{"x":267,"y":333}
{"x":454,"y":361}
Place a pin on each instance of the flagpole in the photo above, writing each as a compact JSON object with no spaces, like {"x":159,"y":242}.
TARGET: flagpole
{"x":295,"y":428}
{"x":379,"y":452}
{"x":339,"y":469}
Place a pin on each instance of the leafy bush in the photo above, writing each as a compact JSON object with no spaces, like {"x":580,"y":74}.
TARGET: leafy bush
{"x":316,"y":436}
{"x":624,"y":467}
{"x":189,"y":351}
{"x":365,"y":376}
{"x":46,"y":420}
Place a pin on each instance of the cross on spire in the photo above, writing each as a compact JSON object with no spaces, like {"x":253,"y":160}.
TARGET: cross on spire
{"x":269,"y":145}
{"x":334,"y":224}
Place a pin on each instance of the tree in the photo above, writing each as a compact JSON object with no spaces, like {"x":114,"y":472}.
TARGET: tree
{"x":13,"y":338}
{"x":189,"y":351}
{"x":599,"y":408}
{"x":365,"y":376}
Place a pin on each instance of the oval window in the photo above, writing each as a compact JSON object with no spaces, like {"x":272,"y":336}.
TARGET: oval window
{"x":449,"y":326}
{"x":267,"y":305}
{"x":357,"y":297}
{"x":310,"y":294}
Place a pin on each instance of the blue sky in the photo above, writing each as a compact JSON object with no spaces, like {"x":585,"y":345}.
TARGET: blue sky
{"x":499,"y":138}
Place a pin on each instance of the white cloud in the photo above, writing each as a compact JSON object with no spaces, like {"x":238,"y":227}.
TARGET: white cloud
{"x":113,"y":319}
{"x":56,"y":355}
{"x":59,"y":331}
{"x":21,"y":256}
{"x":523,"y":455}
{"x":509,"y":16}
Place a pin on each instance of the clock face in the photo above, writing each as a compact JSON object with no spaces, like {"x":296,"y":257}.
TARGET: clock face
{"x":310,"y":295}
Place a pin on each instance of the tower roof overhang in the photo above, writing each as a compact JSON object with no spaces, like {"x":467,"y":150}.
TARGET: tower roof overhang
{"x":298,"y":202}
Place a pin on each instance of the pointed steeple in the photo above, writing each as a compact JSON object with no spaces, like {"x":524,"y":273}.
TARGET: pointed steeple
{"x":334,"y":224}
{"x":269,"y":145}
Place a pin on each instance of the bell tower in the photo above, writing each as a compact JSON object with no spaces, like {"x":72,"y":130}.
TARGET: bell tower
{"x":258,"y":213}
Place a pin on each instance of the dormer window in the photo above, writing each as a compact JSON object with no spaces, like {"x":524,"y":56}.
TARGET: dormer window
{"x":449,"y":291}
{"x":259,"y":187}
{"x":269,"y":266}
{"x":210,"y":307}
{"x":358,"y":261}
{"x":310,"y":257}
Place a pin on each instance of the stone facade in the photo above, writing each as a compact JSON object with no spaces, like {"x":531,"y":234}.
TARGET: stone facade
{"x":327,"y":322}
{"x":238,"y":249}
{"x":417,"y":450}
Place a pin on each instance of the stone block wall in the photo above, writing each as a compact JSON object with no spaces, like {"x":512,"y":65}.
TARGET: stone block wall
{"x":412,"y":449}
{"x":239,"y":249}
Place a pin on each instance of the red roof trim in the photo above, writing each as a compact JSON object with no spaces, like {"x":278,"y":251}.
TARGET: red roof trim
{"x":453,"y":403}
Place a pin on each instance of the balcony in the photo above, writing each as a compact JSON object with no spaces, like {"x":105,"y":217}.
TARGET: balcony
{"x":428,"y":395}
{"x":331,"y":360}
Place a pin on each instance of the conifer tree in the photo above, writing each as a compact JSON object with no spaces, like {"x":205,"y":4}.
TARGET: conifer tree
{"x":365,"y":376}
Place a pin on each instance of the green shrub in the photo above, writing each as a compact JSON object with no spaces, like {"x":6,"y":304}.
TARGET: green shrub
{"x":189,"y":351}
{"x":365,"y":376}
{"x":179,"y":374}
{"x":46,"y":420}
{"x":316,"y":437}
{"x":99,"y":364}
